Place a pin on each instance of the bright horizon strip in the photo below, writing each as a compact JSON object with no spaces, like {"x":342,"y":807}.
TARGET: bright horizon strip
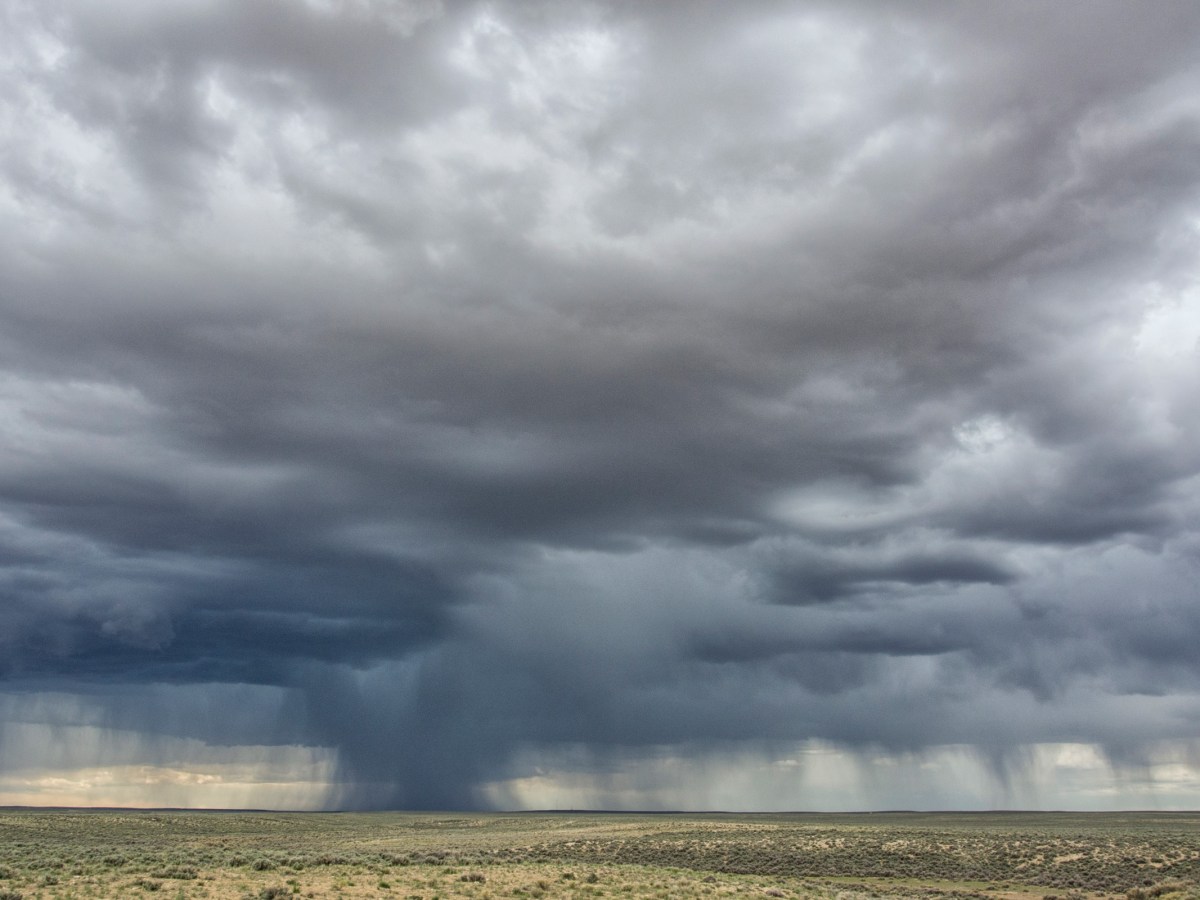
{"x":817,"y":777}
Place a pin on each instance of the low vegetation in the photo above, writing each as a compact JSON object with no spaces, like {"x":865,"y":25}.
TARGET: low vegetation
{"x":56,"y":855}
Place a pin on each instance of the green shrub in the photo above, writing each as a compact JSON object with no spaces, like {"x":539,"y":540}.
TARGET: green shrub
{"x":180,"y":873}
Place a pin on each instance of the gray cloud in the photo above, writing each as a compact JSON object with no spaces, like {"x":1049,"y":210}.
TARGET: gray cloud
{"x":449,"y":384}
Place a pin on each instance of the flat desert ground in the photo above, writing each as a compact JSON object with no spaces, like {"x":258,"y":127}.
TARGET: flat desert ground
{"x":188,"y":855}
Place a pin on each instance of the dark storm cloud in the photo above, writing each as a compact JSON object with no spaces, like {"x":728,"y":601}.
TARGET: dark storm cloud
{"x":458,"y":379}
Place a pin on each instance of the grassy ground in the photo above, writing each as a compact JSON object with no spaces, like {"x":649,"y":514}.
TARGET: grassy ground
{"x":186,"y":855}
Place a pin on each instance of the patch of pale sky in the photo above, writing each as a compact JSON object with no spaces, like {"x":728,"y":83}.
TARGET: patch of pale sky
{"x":841,"y":506}
{"x":299,"y":778}
{"x":1170,"y":327}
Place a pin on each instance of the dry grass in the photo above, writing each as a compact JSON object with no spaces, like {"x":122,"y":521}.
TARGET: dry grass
{"x":63,"y":855}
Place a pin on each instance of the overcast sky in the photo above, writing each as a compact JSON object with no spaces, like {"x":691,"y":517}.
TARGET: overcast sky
{"x":676,"y":404}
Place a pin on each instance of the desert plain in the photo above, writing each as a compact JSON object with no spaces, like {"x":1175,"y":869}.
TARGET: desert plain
{"x":211,"y":855}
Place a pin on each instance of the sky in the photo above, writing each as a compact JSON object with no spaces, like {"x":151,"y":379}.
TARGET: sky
{"x":529,"y":404}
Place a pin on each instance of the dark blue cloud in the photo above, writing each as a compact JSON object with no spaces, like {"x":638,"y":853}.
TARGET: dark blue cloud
{"x":456,"y":383}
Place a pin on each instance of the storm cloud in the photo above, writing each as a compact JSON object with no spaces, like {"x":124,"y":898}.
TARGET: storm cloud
{"x":523,"y":402}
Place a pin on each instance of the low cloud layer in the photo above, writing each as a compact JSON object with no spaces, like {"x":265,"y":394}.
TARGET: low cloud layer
{"x":474,"y":399}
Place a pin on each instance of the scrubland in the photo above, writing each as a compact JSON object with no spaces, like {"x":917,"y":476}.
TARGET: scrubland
{"x":60,"y":854}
